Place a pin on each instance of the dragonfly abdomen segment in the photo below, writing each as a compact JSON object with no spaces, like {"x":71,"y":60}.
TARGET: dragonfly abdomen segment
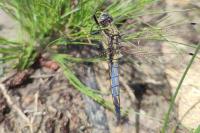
{"x":114,"y":75}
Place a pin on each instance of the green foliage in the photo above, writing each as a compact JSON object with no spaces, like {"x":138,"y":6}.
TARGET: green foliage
{"x":38,"y":17}
{"x":127,"y":9}
{"x":9,"y":49}
{"x":41,"y":21}
{"x":45,"y":22}
{"x":197,"y":130}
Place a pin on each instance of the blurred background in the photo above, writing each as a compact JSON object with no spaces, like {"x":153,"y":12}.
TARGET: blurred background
{"x":44,"y":95}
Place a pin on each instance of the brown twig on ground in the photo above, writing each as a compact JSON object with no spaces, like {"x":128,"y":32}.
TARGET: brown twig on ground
{"x":36,"y":108}
{"x":15,"y":107}
{"x":18,"y":78}
{"x":42,"y":76}
{"x":129,"y":90}
{"x":6,"y":77}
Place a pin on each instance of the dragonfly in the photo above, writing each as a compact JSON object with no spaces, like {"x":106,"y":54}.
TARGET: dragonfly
{"x":112,"y":44}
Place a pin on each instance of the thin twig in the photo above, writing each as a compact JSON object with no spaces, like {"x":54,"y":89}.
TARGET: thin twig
{"x":185,"y":114}
{"x":36,"y":108}
{"x":14,"y":106}
{"x":42,"y":76}
{"x":8,"y":76}
{"x":129,"y":90}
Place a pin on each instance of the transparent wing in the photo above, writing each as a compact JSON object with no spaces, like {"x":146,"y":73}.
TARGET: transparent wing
{"x":152,"y":52}
{"x":177,"y":42}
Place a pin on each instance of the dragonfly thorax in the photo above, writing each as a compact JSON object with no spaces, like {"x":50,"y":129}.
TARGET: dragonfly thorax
{"x":105,"y":19}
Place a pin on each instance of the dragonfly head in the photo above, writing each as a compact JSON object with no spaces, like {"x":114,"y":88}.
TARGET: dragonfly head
{"x":105,"y":19}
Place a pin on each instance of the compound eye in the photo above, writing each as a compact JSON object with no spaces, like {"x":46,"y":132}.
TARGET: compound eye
{"x":105,"y":19}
